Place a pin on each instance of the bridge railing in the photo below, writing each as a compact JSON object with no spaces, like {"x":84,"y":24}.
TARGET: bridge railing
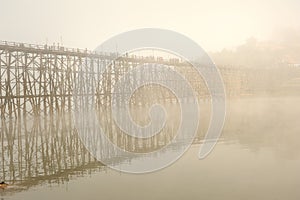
{"x":62,"y":49}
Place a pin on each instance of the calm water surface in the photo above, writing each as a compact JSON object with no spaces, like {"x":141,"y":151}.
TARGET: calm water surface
{"x":257,"y":157}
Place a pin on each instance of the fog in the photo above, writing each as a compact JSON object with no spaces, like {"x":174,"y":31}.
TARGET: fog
{"x":279,"y":51}
{"x":67,"y":115}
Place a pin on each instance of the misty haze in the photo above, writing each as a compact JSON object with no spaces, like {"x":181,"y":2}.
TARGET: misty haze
{"x":117,"y":100}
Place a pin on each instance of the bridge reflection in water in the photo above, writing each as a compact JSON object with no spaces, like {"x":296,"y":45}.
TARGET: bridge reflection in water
{"x":41,"y":149}
{"x":48,"y":148}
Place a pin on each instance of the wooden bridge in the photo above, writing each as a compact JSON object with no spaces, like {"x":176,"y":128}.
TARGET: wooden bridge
{"x":41,"y":79}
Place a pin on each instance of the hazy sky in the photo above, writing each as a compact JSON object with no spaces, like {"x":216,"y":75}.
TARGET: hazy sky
{"x":212,"y":24}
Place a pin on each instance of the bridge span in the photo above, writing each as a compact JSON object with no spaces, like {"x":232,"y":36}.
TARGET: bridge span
{"x":41,"y":79}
